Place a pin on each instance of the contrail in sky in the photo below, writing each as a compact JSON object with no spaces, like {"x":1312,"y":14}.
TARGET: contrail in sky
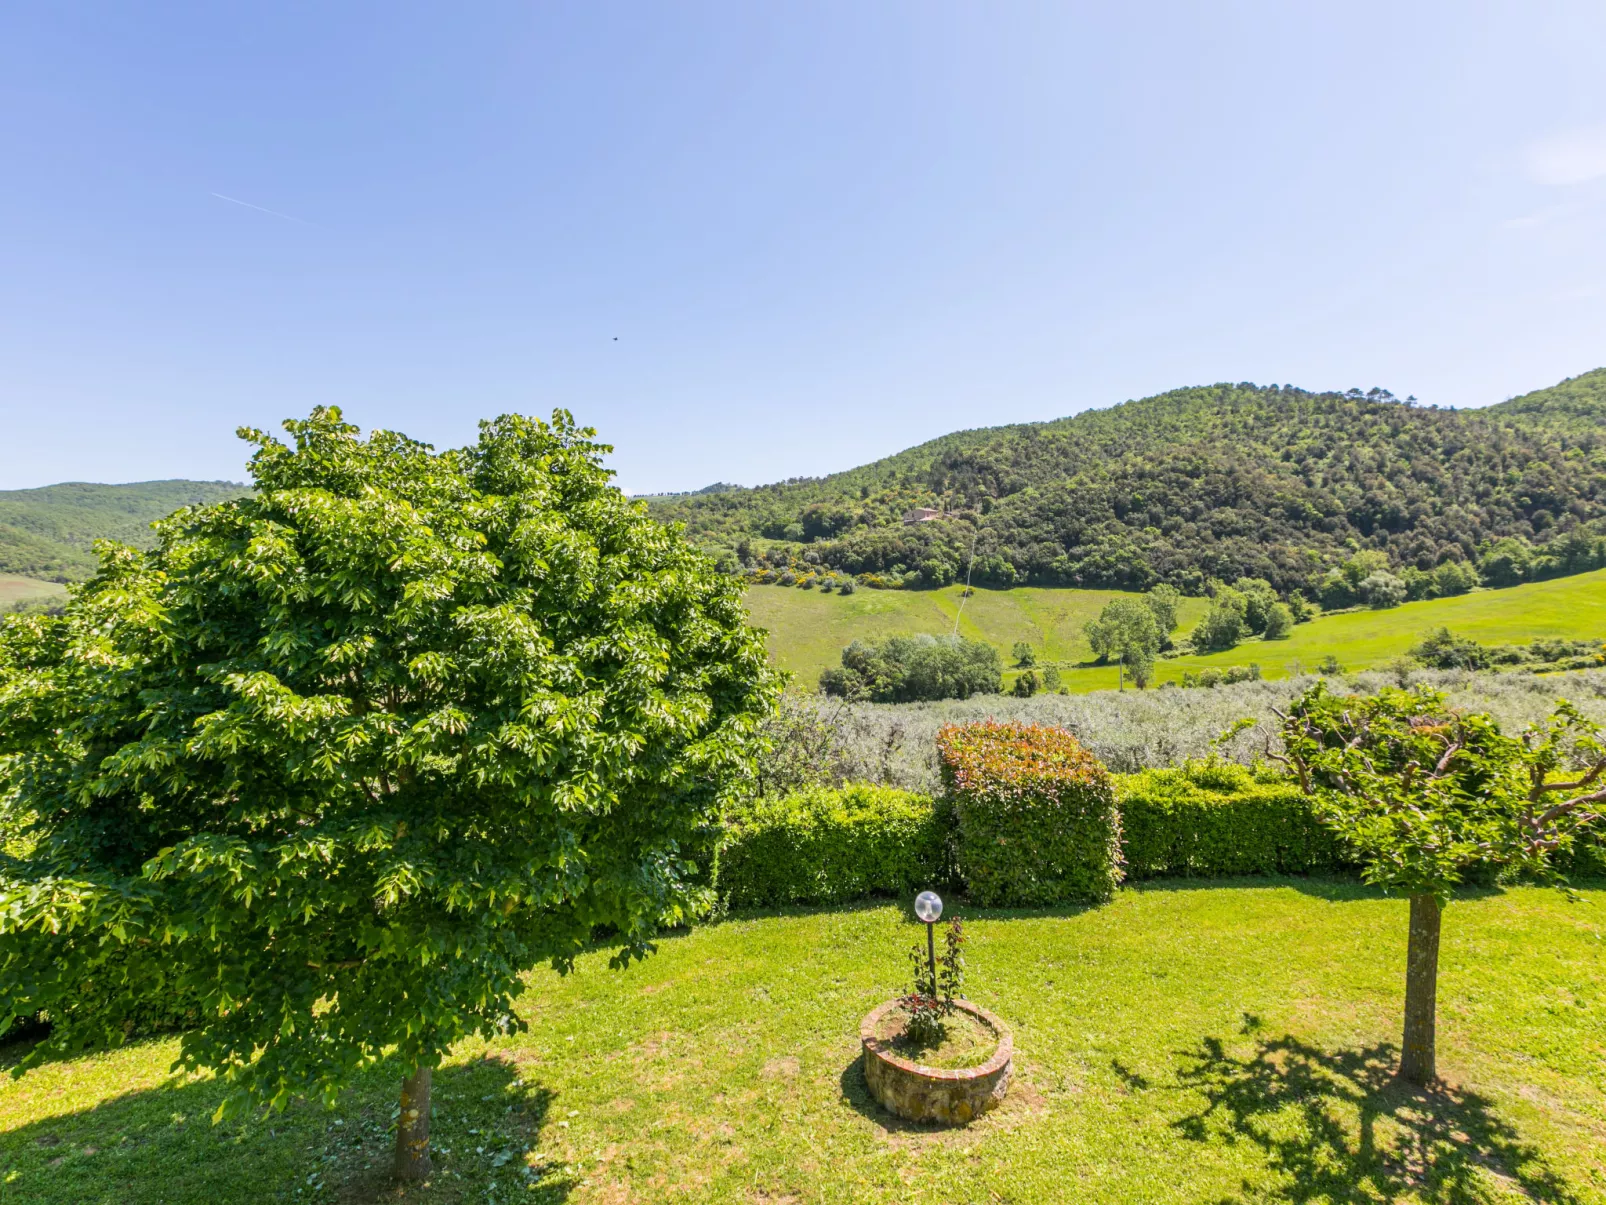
{"x":260,"y":209}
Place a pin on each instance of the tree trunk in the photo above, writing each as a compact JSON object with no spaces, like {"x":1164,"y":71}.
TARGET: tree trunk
{"x":412,"y":1127}
{"x":1417,"y":1059}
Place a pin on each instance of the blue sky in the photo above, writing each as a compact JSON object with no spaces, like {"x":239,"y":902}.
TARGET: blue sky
{"x":750,"y":241}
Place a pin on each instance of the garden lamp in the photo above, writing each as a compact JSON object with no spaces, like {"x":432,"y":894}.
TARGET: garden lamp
{"x":928,"y":907}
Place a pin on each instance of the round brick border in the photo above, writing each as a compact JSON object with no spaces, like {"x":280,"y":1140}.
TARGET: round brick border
{"x":931,"y":1093}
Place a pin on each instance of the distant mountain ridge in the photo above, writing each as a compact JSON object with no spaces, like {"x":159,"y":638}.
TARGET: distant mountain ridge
{"x":49,"y":532}
{"x":1212,"y":481}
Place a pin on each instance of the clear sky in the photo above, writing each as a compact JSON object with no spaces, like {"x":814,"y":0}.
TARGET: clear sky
{"x":751,"y":241}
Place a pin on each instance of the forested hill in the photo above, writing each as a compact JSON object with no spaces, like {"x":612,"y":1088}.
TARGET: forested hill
{"x":49,"y":532}
{"x":1218,"y":481}
{"x":1577,"y":405}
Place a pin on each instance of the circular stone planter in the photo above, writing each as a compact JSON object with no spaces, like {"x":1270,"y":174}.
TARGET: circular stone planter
{"x":931,"y":1093}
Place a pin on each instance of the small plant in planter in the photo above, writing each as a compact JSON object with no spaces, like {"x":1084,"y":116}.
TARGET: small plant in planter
{"x":931,"y":1003}
{"x":930,"y":1054}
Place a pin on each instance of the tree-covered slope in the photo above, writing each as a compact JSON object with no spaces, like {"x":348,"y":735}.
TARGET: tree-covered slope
{"x":49,"y":532}
{"x":1577,"y":405}
{"x":1216,"y":481}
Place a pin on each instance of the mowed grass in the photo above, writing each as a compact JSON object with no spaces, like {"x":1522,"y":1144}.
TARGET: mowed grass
{"x":1222,"y":1043}
{"x":24,"y":589}
{"x":808,"y":630}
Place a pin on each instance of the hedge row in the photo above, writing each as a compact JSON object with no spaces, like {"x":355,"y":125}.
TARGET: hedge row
{"x":1216,"y":819}
{"x":1039,"y":833}
{"x":822,"y":846}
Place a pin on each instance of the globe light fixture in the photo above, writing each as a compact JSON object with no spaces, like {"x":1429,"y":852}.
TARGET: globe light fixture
{"x":928,"y":907}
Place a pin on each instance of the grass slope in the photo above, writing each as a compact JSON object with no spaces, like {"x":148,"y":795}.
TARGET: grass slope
{"x":49,"y":532}
{"x":27,"y":589}
{"x":1230,"y":1042}
{"x":807,"y":629}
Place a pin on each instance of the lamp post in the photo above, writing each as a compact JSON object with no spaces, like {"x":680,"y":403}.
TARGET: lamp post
{"x":928,"y":907}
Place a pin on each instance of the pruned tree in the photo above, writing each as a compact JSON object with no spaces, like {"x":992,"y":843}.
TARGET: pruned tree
{"x":1423,"y":794}
{"x":343,"y":759}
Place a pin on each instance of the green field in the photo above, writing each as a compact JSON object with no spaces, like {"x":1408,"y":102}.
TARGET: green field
{"x":807,"y":629}
{"x":1230,"y":1042}
{"x":26,"y":589}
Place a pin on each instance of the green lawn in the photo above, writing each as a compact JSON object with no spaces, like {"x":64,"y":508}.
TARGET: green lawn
{"x":22,"y":589}
{"x":1190,"y":1043}
{"x":808,"y":629}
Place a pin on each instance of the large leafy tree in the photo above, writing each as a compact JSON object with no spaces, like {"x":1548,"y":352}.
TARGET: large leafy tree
{"x":1126,"y":631}
{"x":342,"y":759}
{"x":1424,"y":795}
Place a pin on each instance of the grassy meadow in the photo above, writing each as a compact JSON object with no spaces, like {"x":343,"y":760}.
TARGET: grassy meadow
{"x":27,"y":589}
{"x":807,"y":629}
{"x":1228,"y":1042}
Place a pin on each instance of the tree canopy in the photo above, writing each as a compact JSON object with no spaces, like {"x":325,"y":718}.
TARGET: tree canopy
{"x":1424,"y":794}
{"x":907,"y":669}
{"x":343,"y":758}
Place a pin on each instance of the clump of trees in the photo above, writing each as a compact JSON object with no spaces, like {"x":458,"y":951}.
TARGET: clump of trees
{"x":341,"y":760}
{"x":1228,"y":676}
{"x":908,"y":669}
{"x":1131,"y":631}
{"x":1424,"y":795}
{"x":1249,"y":607}
{"x":1443,"y":650}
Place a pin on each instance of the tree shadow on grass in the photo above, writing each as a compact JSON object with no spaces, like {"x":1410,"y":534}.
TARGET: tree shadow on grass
{"x":159,"y":1145}
{"x":1339,"y":1126}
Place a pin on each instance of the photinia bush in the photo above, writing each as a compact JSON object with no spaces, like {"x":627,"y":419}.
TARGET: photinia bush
{"x":1036,"y":814}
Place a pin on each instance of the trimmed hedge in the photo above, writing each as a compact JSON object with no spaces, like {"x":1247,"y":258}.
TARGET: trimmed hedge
{"x":1036,"y":815}
{"x":822,"y":846}
{"x":1218,"y":819}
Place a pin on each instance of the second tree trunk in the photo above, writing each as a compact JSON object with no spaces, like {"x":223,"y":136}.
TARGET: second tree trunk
{"x":412,"y":1127}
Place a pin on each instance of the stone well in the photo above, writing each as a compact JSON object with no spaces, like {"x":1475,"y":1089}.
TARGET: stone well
{"x":930,"y":1093}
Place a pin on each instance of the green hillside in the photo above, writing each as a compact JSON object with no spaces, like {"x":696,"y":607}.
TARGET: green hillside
{"x":49,"y":532}
{"x":1576,"y":406}
{"x":807,"y":629}
{"x":1218,"y":481}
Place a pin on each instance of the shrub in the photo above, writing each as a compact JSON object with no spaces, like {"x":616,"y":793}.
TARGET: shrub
{"x":822,"y":846}
{"x":1216,"y":818}
{"x":1035,"y":814}
{"x":1382,"y":590}
{"x":1025,"y":685}
{"x":846,"y":587}
{"x":1442,"y":650}
{"x":1212,"y":677}
{"x":1223,"y":625}
{"x":1279,"y":619}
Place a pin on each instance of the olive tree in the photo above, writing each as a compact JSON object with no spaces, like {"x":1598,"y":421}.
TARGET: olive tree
{"x":343,"y":759}
{"x":1423,"y":795}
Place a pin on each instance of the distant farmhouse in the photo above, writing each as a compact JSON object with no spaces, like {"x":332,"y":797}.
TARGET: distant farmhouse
{"x":921,"y":514}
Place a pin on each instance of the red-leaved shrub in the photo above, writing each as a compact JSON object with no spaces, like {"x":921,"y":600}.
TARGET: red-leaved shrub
{"x":1037,"y":819}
